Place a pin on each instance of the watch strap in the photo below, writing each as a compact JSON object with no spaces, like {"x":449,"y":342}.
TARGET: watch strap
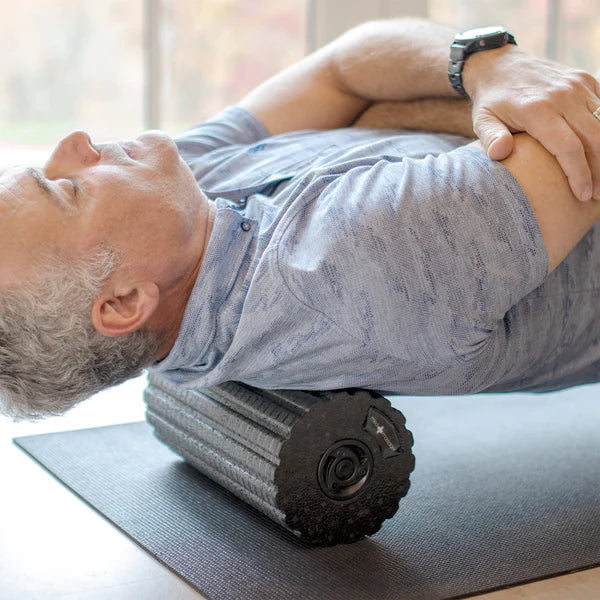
{"x":459,"y":52}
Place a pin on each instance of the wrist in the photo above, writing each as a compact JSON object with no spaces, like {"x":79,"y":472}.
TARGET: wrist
{"x":481,"y":66}
{"x":473,"y":41}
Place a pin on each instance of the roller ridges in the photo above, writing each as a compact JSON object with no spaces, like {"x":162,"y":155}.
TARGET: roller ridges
{"x":296,"y":429}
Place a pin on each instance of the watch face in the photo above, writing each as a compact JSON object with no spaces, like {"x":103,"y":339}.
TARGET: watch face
{"x":480,"y":32}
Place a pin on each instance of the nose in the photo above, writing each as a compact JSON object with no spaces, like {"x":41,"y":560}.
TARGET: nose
{"x":72,"y":153}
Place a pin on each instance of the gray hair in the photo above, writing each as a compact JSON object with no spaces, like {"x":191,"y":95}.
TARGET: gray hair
{"x":51,"y":356}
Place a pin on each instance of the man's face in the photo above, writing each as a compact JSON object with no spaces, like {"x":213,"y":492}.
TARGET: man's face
{"x":136,"y":197}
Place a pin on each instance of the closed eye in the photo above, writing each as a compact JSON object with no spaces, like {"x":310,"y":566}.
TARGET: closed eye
{"x":43,"y":186}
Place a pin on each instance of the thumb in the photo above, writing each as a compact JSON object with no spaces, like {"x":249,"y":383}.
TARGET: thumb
{"x":494,"y":136}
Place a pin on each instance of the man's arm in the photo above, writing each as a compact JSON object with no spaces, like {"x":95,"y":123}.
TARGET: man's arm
{"x":562,"y":219}
{"x":406,"y":60}
{"x":446,"y":115}
{"x":383,"y":60}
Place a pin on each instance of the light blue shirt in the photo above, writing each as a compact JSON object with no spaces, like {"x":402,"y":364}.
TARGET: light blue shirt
{"x":397,"y":261}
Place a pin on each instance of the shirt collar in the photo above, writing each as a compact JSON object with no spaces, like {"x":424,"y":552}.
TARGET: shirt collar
{"x":204,"y":337}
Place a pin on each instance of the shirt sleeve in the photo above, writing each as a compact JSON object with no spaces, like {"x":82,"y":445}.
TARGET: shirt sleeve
{"x":232,"y":126}
{"x":421,"y":259}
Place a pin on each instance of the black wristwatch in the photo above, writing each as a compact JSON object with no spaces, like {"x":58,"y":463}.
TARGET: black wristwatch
{"x":469,"y":42}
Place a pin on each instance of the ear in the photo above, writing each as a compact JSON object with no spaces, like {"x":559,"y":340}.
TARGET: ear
{"x":120,"y":311}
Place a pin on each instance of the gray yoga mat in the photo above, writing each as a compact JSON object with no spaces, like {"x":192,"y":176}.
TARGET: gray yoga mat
{"x":506,"y":490}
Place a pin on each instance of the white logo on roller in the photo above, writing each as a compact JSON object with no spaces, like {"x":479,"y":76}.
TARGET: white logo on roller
{"x":380,"y":431}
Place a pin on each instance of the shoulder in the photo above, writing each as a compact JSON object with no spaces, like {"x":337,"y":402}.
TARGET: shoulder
{"x":232,"y":126}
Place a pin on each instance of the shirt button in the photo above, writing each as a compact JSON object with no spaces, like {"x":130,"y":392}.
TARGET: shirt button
{"x":246,"y":225}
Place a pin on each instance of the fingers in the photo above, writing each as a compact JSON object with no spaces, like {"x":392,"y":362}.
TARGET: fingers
{"x":555,"y":134}
{"x":554,"y":104}
{"x":493,"y":134}
{"x":592,"y":145}
{"x":593,"y":157}
{"x":573,"y":137}
{"x":568,"y":149}
{"x":565,"y":125}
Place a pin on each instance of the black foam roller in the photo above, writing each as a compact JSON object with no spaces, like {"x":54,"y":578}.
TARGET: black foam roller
{"x":329,"y":466}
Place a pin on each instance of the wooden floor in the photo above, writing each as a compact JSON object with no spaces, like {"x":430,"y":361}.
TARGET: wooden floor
{"x":53,"y":546}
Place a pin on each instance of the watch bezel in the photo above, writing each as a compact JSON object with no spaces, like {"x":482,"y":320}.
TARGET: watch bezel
{"x":473,"y":34}
{"x":470,"y":42}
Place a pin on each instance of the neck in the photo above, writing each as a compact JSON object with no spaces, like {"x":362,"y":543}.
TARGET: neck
{"x":174,"y":302}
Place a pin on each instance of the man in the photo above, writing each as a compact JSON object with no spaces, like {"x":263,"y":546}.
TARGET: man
{"x":269,"y":247}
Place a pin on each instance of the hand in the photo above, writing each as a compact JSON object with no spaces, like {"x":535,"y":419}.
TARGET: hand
{"x":513,"y":91}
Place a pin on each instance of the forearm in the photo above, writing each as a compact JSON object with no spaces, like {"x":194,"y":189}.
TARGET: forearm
{"x":448,"y":115}
{"x":384,"y":60}
{"x":402,"y":59}
{"x":406,"y":60}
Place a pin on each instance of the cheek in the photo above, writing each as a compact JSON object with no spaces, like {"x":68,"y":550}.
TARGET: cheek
{"x":188,"y":186}
{"x":15,"y":258}
{"x":130,"y":209}
{"x":25,"y":240}
{"x":127,"y":222}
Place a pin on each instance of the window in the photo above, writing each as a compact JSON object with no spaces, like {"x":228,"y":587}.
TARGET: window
{"x":564,"y":30}
{"x":215,"y":51}
{"x":116,"y":67}
{"x":71,"y":64}
{"x":67,"y":64}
